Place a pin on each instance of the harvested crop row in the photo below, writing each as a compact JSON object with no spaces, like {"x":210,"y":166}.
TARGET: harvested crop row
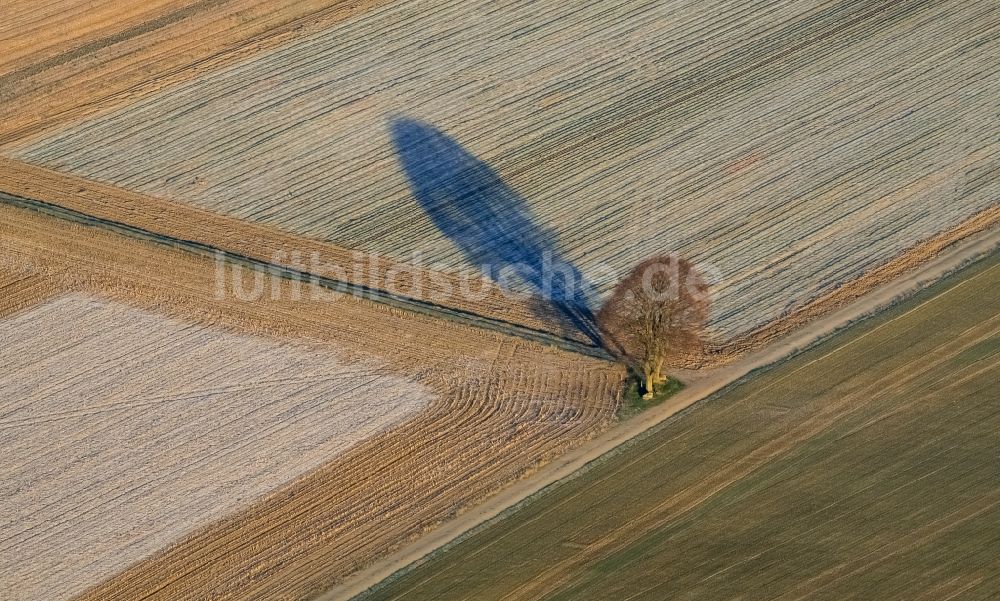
{"x":112,"y":53}
{"x":125,"y":431}
{"x":503,"y":407}
{"x":789,"y":147}
{"x":174,"y":219}
{"x":841,"y":296}
{"x":20,"y":290}
{"x":468,"y":291}
{"x":864,"y":468}
{"x":36,"y":31}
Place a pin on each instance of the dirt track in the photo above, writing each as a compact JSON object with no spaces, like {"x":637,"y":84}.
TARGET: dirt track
{"x":701,"y":386}
{"x":505,"y":406}
{"x":180,"y":221}
{"x":791,"y":145}
{"x":164,"y":217}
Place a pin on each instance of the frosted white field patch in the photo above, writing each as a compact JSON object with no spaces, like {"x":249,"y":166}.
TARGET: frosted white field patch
{"x":123,"y":430}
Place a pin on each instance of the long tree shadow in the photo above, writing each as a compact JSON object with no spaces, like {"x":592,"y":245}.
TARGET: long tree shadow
{"x":489,"y":221}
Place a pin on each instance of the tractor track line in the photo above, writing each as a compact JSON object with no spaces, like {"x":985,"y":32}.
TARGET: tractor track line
{"x":389,"y":299}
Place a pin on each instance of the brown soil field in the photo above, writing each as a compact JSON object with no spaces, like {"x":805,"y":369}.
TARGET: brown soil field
{"x":505,"y":407}
{"x":789,"y":147}
{"x":125,"y":430}
{"x":35,"y":32}
{"x":19,"y":290}
{"x":179,"y":220}
{"x":864,"y":468}
{"x":68,"y":59}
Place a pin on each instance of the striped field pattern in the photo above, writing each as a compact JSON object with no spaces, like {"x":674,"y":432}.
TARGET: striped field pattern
{"x":139,"y":377}
{"x":19,"y":291}
{"x":166,"y":437}
{"x":124,"y":431}
{"x":788,"y":147}
{"x":863,"y":469}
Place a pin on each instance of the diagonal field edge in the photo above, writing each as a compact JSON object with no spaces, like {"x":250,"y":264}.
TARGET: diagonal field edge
{"x":396,"y":301}
{"x":363,"y":584}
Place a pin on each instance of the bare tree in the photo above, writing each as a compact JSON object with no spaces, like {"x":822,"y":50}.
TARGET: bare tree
{"x":655,"y":315}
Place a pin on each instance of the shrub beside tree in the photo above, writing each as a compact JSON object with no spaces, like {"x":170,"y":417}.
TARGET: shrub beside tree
{"x":656,"y":316}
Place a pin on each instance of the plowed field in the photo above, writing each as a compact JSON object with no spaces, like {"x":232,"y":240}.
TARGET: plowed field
{"x":124,"y":431}
{"x":790,"y":147}
{"x":864,"y":468}
{"x":500,"y":407}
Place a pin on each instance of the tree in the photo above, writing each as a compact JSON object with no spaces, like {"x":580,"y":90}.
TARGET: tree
{"x":656,"y":314}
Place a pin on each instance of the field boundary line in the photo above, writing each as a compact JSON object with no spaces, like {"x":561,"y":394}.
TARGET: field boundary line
{"x":714,"y":381}
{"x":396,"y":301}
{"x":177,"y":219}
{"x":508,"y":319}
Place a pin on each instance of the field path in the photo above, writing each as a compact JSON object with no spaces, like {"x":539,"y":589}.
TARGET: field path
{"x":170,"y":222}
{"x":398,"y":301}
{"x":504,"y":406}
{"x":700,"y":387}
{"x":260,"y":247}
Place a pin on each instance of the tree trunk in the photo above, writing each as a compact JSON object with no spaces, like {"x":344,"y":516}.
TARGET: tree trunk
{"x":650,"y":381}
{"x":658,"y":372}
